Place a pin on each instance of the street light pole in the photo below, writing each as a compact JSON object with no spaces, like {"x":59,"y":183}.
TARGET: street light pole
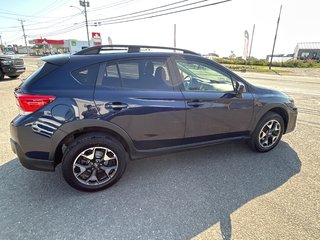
{"x":86,"y":4}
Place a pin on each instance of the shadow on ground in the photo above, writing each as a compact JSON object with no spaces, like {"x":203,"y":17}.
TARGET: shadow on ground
{"x":176,"y":196}
{"x":7,"y":79}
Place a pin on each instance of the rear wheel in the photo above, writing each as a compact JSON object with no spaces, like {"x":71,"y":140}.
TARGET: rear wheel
{"x":94,"y":162}
{"x":268,"y":132}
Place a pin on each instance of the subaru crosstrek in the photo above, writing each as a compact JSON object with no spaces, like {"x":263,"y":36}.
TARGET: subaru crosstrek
{"x":94,"y":110}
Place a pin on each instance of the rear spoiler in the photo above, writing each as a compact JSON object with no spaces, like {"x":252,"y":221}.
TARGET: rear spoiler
{"x":59,"y":59}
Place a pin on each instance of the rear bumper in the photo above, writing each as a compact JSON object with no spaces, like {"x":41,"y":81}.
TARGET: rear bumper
{"x":31,"y":149}
{"x":292,"y":120}
{"x":31,"y":163}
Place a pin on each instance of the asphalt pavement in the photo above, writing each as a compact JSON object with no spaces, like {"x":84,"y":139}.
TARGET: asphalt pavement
{"x":219,"y":192}
{"x":174,"y":196}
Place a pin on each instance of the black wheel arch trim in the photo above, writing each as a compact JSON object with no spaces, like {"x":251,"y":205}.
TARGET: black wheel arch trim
{"x":80,"y":126}
{"x":281,"y":109}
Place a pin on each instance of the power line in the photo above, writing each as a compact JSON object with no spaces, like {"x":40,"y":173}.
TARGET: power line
{"x":5,"y":12}
{"x":60,"y":31}
{"x":22,"y":15}
{"x":13,"y":39}
{"x":9,"y":27}
{"x":52,"y":24}
{"x":111,"y":5}
{"x":134,"y":18}
{"x":146,"y":10}
{"x":56,"y":24}
{"x":55,"y":4}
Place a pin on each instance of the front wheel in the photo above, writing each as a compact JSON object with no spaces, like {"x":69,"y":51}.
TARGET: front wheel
{"x":94,"y":162}
{"x":268,"y":132}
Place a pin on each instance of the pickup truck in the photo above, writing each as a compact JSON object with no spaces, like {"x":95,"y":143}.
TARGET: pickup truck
{"x":11,"y":66}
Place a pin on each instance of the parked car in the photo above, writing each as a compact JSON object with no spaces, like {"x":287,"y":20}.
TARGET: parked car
{"x":11,"y":66}
{"x":94,"y":110}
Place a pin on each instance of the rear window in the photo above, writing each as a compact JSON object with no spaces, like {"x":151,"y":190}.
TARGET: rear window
{"x":60,"y":78}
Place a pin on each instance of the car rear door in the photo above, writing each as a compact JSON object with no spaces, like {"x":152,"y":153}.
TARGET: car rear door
{"x":213,"y":109}
{"x":138,"y":95}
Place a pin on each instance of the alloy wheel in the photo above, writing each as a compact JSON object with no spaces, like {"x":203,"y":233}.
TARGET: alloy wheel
{"x":269,"y":133}
{"x":95,"y":166}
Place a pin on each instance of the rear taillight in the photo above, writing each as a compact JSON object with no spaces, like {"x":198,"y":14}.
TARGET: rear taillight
{"x":31,"y":103}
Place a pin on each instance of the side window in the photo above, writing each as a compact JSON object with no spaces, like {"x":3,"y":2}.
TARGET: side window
{"x":198,"y":76}
{"x":305,"y":55}
{"x":129,"y":70}
{"x":86,"y":75}
{"x":146,"y":74}
{"x":111,"y":77}
{"x":140,"y":74}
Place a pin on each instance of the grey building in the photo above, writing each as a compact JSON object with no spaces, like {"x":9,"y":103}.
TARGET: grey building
{"x":307,"y":50}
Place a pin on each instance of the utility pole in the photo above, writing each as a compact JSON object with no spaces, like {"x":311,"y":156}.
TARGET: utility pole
{"x":174,"y":35}
{"x":275,"y":38}
{"x":24,"y":35}
{"x":251,"y":42}
{"x":1,"y":44}
{"x":86,"y":4}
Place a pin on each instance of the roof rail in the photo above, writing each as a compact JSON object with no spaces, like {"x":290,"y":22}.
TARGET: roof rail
{"x":129,"y":48}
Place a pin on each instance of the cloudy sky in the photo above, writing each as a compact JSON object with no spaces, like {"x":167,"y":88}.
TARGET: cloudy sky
{"x":217,"y":28}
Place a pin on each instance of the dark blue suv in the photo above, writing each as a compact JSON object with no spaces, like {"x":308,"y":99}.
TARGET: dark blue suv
{"x":96,"y":109}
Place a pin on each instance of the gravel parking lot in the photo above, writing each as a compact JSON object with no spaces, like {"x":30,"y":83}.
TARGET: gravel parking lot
{"x":221,"y":192}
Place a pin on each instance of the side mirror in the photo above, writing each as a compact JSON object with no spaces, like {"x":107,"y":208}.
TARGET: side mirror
{"x":240,"y":89}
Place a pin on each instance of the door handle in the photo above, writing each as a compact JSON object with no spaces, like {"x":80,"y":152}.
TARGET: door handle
{"x":116,"y":105}
{"x":195,"y":104}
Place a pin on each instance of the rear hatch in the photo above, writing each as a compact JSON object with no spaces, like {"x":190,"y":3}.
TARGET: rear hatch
{"x":27,"y":99}
{"x":48,"y":65}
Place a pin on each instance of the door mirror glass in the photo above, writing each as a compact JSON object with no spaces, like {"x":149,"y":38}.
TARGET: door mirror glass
{"x":240,"y":88}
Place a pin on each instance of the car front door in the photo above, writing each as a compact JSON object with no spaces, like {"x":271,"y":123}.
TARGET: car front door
{"x":213,"y":108}
{"x":138,"y":96}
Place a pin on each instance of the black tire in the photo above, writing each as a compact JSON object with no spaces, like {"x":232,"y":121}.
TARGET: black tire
{"x":14,"y":77}
{"x":265,"y":144}
{"x":74,"y":154}
{"x":1,"y":75}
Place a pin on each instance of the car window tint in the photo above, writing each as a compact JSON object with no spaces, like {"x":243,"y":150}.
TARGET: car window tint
{"x":86,"y":75}
{"x":198,"y":76}
{"x":111,"y":77}
{"x":145,"y":74}
{"x":129,"y":70}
